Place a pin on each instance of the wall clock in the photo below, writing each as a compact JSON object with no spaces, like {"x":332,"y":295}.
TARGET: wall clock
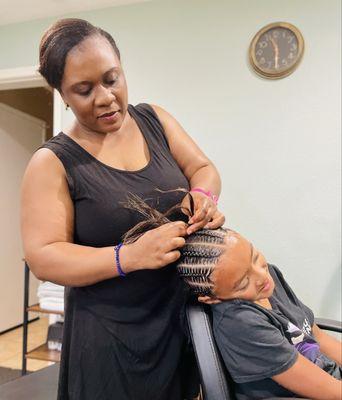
{"x":276,"y":50}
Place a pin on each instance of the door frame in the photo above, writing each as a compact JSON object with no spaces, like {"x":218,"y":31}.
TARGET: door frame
{"x":29,"y":77}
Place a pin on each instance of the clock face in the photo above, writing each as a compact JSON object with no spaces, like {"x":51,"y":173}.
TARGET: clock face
{"x":276,"y":50}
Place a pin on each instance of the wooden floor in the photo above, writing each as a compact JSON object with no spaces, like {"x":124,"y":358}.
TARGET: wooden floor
{"x":11,"y":345}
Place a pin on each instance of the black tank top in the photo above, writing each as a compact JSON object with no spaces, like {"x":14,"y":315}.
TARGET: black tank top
{"x":123,"y":337}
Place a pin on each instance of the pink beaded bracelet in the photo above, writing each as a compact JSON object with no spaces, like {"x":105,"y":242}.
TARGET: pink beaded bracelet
{"x":208,"y":193}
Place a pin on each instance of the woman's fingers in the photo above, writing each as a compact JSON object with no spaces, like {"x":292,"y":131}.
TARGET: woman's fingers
{"x":210,"y":214}
{"x":206,"y":214}
{"x":195,"y":227}
{"x":172,"y":256}
{"x":173,"y":229}
{"x":201,"y":209}
{"x":174,"y":235}
{"x":213,"y":220}
{"x":177,"y":242}
{"x":217,"y":221}
{"x":206,"y":218}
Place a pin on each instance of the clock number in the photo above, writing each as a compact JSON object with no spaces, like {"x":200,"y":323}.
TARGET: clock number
{"x":259,"y":52}
{"x":290,"y":39}
{"x":263,"y":44}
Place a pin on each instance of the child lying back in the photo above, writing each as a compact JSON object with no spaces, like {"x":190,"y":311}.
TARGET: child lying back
{"x":267,"y":337}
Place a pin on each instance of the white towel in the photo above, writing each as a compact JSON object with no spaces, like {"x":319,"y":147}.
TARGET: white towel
{"x":51,"y":306}
{"x":48,"y":289}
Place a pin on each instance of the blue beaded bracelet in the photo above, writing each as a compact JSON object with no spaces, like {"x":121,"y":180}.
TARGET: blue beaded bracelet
{"x":117,"y":259}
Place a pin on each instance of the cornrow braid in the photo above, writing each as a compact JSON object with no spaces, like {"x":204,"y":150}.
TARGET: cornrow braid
{"x":200,"y":253}
{"x":199,"y":257}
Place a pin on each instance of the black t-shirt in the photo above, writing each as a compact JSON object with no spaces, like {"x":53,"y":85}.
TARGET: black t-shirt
{"x":257,"y":343}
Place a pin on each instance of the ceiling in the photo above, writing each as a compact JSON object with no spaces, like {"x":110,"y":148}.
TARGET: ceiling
{"x":13,"y":11}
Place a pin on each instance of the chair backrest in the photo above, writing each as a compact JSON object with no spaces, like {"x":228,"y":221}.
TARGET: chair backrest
{"x":214,"y":377}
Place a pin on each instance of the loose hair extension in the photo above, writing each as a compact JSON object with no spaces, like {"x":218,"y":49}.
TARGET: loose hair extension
{"x":200,"y":253}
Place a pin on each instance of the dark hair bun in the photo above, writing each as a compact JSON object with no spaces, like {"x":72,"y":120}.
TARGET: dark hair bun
{"x":58,"y":40}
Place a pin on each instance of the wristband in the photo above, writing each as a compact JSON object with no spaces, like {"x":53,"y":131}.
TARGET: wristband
{"x":208,"y":193}
{"x":117,"y":259}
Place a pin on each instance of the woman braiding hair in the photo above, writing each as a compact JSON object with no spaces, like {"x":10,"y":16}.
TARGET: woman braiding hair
{"x":202,"y":248}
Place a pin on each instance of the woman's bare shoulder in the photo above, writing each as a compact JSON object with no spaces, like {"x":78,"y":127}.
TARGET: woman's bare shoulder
{"x":44,"y":156}
{"x":44,"y":173}
{"x":44,"y":161}
{"x":162,"y":114}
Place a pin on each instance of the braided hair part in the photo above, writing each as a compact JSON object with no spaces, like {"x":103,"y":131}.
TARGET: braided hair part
{"x":199,"y":257}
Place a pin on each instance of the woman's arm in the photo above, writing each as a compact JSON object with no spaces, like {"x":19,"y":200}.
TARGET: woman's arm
{"x":197,"y":168}
{"x":308,"y":380}
{"x":47,"y":219}
{"x":329,"y":346}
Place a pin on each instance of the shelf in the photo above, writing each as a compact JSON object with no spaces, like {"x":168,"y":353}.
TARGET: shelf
{"x":37,"y":308}
{"x":43,"y":353}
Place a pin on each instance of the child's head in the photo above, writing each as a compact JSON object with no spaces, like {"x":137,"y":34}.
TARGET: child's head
{"x":223,"y":265}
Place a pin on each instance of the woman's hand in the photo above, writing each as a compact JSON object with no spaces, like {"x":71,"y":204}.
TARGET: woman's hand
{"x":155,"y":248}
{"x":206,"y":214}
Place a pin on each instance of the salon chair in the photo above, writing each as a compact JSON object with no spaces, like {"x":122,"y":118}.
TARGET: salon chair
{"x":215,"y":379}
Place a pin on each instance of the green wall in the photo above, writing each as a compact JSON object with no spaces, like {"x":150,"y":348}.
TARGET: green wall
{"x":276,"y":143}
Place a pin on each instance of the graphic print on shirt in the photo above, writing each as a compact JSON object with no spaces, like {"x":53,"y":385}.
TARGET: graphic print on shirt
{"x":303,"y":342}
{"x":306,"y":327}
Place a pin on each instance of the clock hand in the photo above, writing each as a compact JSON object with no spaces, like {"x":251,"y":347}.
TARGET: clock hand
{"x":276,"y":53}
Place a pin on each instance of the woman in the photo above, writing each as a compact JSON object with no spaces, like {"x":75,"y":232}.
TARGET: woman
{"x":267,"y":337}
{"x":123,"y":337}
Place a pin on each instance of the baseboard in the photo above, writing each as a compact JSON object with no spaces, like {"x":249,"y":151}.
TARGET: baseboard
{"x":18,"y":326}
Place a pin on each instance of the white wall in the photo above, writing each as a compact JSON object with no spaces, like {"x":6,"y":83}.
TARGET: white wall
{"x":276,"y":143}
{"x":20,"y":135}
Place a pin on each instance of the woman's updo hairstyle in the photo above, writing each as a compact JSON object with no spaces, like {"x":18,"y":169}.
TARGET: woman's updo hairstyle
{"x":58,"y":40}
{"x":200,"y":253}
